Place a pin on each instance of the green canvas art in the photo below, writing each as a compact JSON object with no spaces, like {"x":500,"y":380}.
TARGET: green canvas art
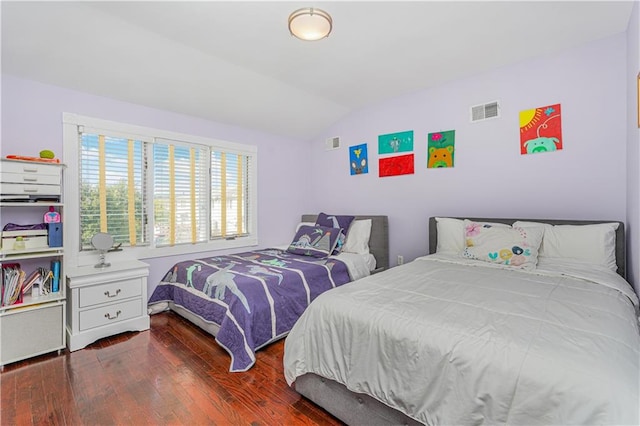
{"x":393,"y":143}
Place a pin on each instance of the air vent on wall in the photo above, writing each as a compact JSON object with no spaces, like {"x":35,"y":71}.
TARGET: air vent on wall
{"x":485,"y":111}
{"x":332,"y":143}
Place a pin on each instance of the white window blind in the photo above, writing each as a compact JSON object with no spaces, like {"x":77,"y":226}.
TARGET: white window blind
{"x":229,"y":194}
{"x":112,"y":197}
{"x":180,"y":193}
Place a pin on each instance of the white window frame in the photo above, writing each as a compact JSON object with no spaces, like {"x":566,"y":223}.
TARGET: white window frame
{"x":71,"y":150}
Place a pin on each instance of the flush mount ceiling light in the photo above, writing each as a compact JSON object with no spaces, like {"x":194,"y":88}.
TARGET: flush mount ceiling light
{"x":310,"y":24}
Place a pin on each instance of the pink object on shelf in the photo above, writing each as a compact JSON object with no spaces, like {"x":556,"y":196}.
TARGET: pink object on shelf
{"x":51,"y":216}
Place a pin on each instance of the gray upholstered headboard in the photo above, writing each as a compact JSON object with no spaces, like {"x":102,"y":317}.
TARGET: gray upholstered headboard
{"x":621,"y":243}
{"x":379,"y":240}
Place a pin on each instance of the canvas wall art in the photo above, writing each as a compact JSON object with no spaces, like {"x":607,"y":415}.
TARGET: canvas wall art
{"x":396,"y":165}
{"x":393,"y":158}
{"x":394,"y":143}
{"x":440,"y":149}
{"x":358,"y":159}
{"x":541,"y":130}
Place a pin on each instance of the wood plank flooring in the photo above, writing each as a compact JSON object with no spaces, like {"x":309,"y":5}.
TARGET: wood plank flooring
{"x":173,"y":374}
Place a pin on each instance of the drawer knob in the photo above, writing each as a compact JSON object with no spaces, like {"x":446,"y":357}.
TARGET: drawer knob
{"x":108,"y":294}
{"x":30,"y":179}
{"x":109,"y":317}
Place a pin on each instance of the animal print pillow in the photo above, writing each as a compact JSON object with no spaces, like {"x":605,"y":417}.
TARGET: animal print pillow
{"x":516,"y":247}
{"x":335,"y":221}
{"x":316,"y":241}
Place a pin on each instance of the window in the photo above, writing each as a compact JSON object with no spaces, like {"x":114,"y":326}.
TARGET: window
{"x":112,"y":196}
{"x":159,"y":192}
{"x":228,"y":194}
{"x":180,"y":192}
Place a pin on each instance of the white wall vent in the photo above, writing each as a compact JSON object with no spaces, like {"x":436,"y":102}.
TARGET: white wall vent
{"x":332,"y":143}
{"x":485,"y":111}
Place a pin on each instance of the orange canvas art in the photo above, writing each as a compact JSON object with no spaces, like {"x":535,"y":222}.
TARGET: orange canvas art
{"x":540,"y":130}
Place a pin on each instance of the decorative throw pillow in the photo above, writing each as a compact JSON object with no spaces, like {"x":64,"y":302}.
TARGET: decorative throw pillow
{"x":316,"y":241}
{"x":516,"y":247}
{"x":334,"y":221}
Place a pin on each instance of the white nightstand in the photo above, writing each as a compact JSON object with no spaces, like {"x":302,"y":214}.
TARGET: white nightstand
{"x":105,"y":301}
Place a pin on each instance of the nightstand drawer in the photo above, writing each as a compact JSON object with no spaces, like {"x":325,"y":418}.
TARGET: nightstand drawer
{"x":110,"y":292}
{"x":110,"y":314}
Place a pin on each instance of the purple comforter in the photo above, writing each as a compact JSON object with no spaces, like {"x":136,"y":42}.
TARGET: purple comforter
{"x":255,"y":297}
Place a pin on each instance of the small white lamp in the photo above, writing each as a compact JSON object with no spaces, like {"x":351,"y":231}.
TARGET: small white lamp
{"x":310,"y":24}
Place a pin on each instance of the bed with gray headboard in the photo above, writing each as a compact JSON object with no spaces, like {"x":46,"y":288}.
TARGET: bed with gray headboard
{"x":265,"y":290}
{"x":349,"y":393}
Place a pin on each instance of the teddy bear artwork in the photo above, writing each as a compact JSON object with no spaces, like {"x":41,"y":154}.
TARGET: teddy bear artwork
{"x":441,"y":147}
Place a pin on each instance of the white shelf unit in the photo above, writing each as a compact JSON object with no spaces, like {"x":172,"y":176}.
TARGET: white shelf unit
{"x":37,"y":325}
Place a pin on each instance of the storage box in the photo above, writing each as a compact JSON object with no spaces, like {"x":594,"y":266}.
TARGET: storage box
{"x":33,"y":239}
{"x":55,"y":234}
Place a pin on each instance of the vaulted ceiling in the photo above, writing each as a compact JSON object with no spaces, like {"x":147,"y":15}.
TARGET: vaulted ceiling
{"x":235,"y":62}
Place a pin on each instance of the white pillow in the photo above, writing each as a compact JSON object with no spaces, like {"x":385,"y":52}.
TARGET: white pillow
{"x":358,"y":237}
{"x":588,"y":243}
{"x":451,"y":234}
{"x":516,"y":247}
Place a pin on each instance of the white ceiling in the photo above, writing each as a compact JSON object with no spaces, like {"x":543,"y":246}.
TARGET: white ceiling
{"x":235,"y":62}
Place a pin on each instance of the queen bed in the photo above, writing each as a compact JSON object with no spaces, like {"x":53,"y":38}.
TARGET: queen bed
{"x":248,"y":300}
{"x":542,"y":332}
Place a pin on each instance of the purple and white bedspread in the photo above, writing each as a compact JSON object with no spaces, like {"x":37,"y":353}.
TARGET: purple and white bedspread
{"x":254,"y":297}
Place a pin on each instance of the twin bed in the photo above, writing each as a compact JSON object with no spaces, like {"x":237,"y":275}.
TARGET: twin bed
{"x":542,"y":332}
{"x":248,"y":300}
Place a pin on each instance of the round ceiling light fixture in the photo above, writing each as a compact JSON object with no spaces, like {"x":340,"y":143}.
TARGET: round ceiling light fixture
{"x":310,"y":24}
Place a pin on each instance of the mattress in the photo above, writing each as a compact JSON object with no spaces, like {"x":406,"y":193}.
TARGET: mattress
{"x":446,"y":340}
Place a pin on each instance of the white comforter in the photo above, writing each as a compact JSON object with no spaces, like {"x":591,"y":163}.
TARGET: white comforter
{"x":452,"y":341}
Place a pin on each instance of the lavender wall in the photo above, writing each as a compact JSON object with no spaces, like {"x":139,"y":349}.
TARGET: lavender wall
{"x":32,"y":121}
{"x":633,"y":147}
{"x":586,"y":180}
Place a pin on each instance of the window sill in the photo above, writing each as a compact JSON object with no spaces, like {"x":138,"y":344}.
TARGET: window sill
{"x":127,"y":253}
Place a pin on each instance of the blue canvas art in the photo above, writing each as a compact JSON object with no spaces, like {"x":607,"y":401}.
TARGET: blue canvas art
{"x":358,"y":160}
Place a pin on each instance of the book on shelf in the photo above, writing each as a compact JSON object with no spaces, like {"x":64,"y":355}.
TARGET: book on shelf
{"x":55,"y":276}
{"x":12,"y":281}
{"x":33,"y":278}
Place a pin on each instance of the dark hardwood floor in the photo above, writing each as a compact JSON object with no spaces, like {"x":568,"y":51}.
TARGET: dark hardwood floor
{"x":173,"y":374}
